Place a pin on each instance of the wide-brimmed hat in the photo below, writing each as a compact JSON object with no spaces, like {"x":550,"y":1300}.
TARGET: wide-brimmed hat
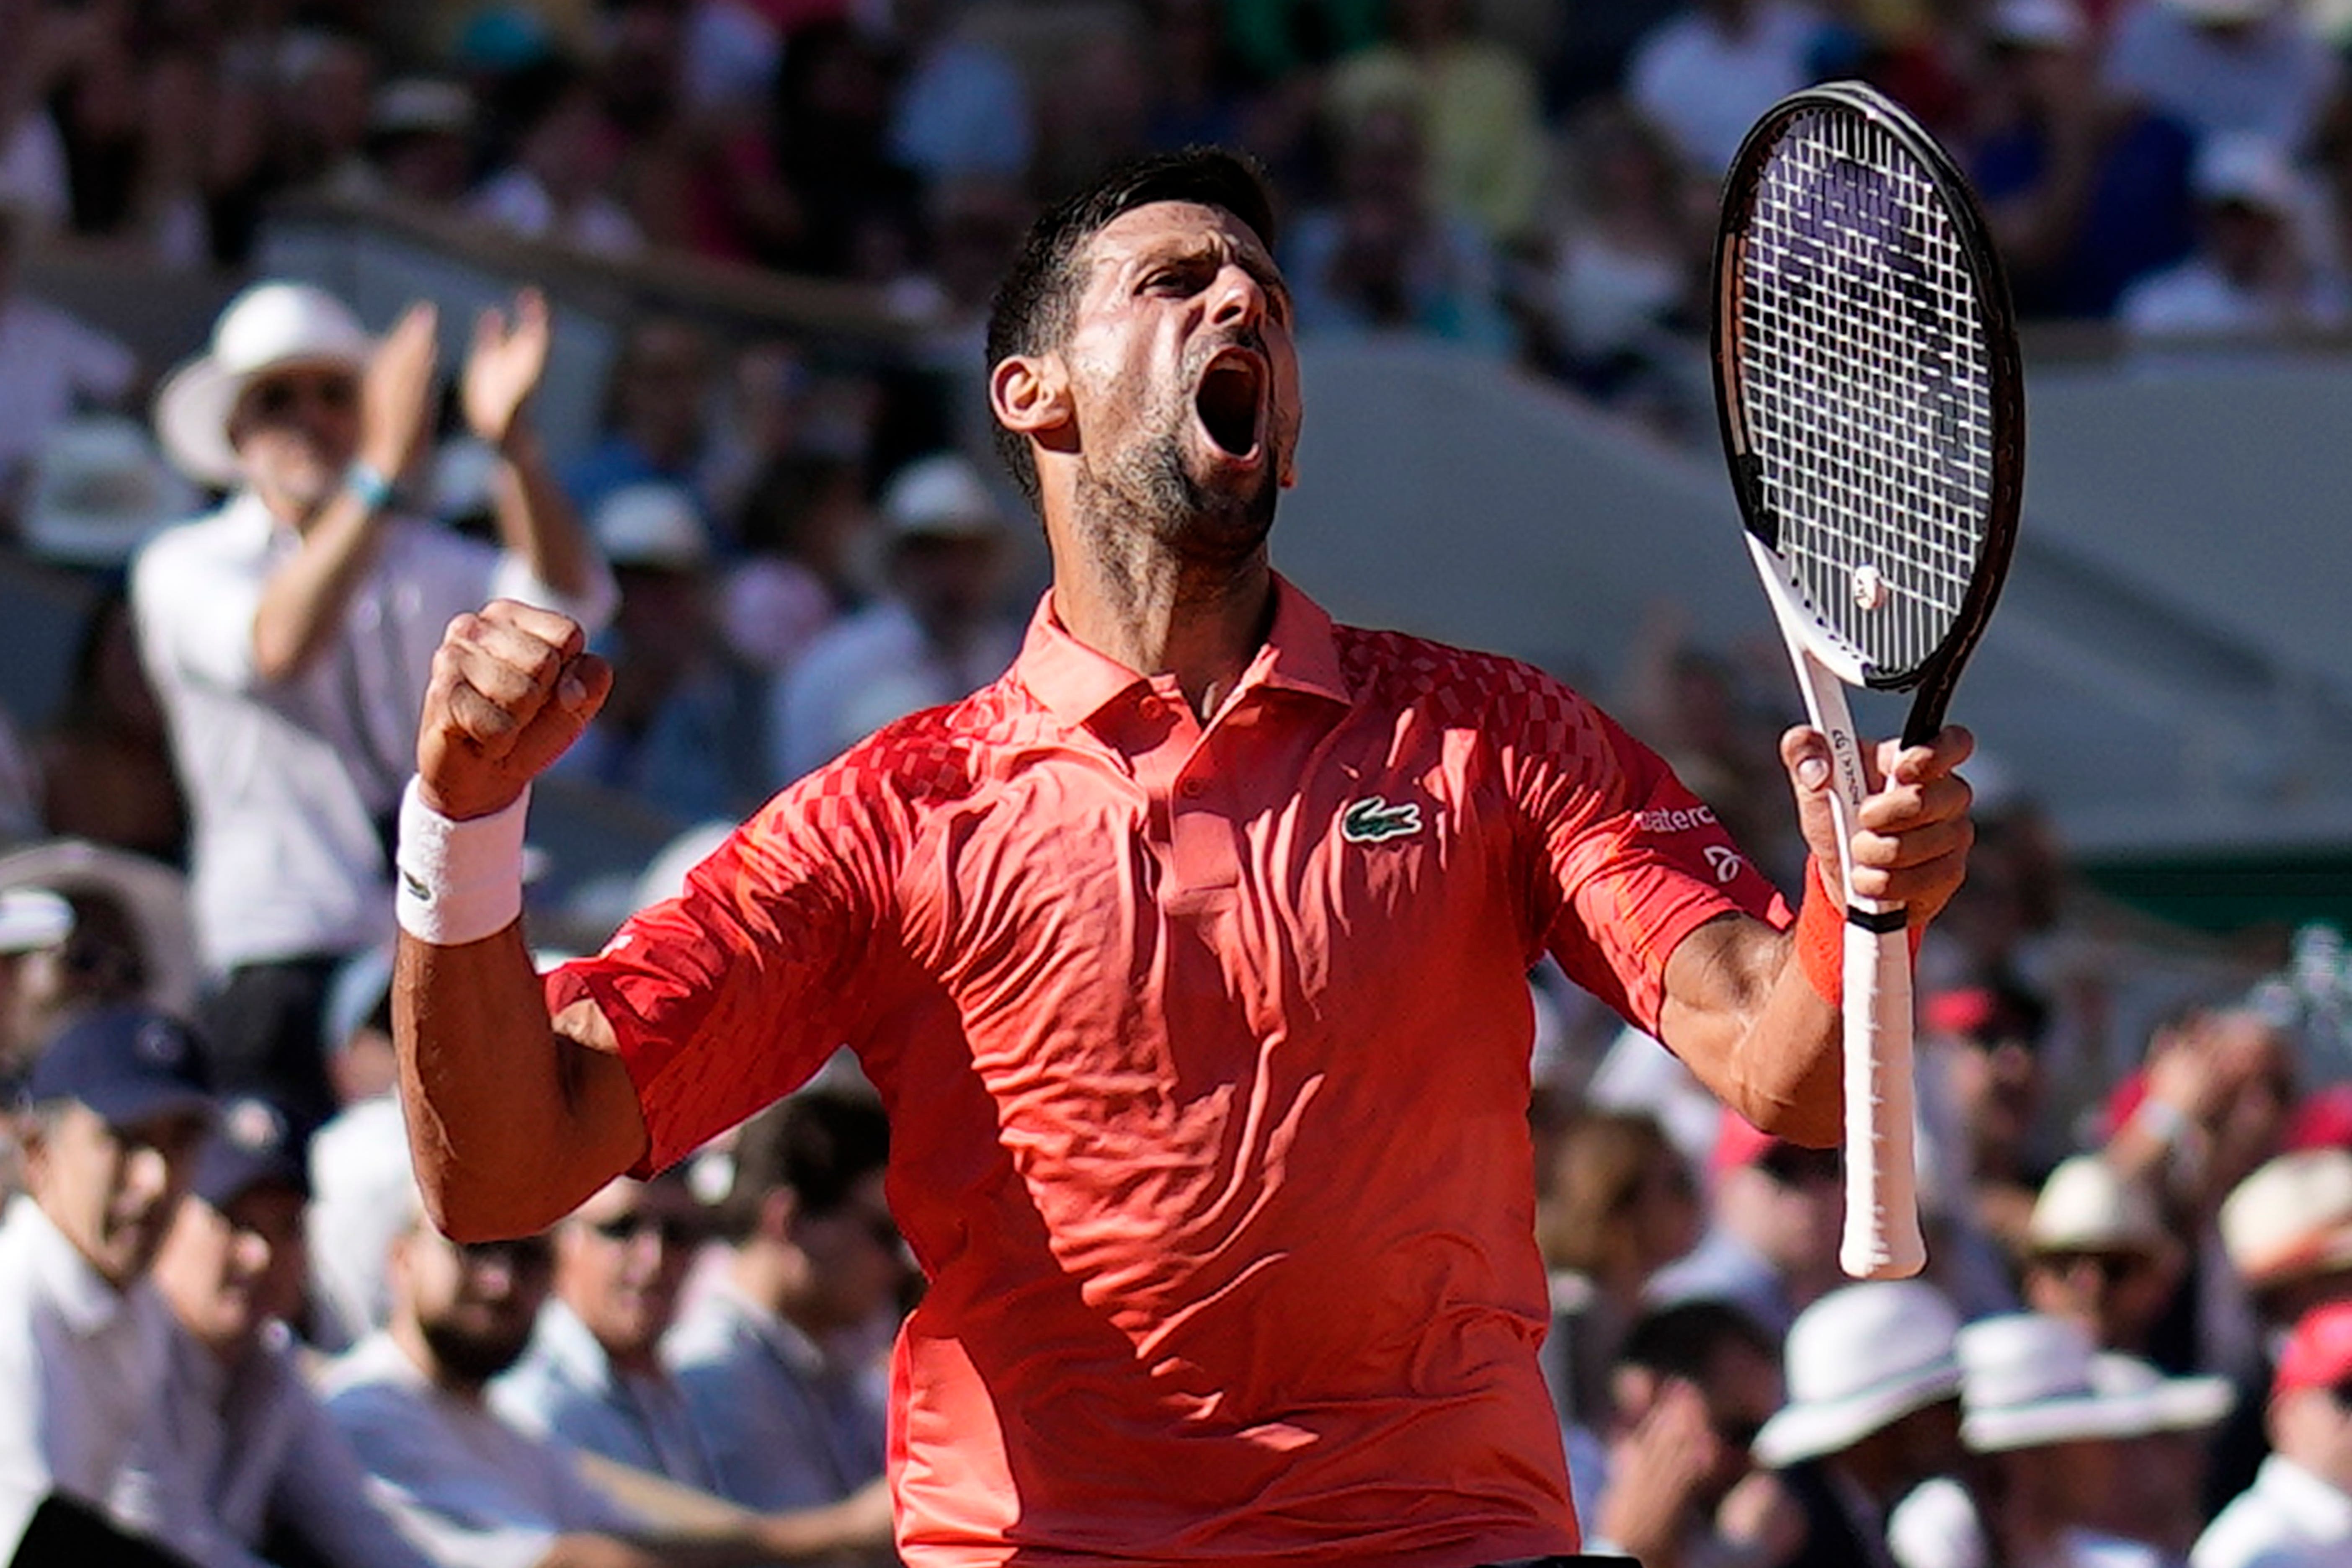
{"x":2029,"y":1379}
{"x":100,"y":490}
{"x":2290,"y":1218}
{"x":1858,"y":1360}
{"x":268,"y":327}
{"x":940,"y":497}
{"x":2174,"y":1403}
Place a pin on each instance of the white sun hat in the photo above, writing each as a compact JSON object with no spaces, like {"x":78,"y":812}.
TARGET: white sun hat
{"x":1858,"y":1360}
{"x":2029,"y":1379}
{"x":2175,"y":1403}
{"x":100,"y":490}
{"x":941,"y":496}
{"x":267,"y":327}
{"x":654,"y":525}
{"x":2087,"y":1206}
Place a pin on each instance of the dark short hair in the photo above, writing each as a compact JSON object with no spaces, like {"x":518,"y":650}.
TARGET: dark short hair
{"x":1683,"y":1340}
{"x":1032,"y":311}
{"x":819,"y":1143}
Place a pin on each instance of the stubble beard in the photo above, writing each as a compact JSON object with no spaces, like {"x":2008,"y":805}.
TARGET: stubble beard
{"x":1145,"y":509}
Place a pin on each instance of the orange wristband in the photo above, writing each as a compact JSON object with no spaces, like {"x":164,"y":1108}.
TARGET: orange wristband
{"x":1820,"y":935}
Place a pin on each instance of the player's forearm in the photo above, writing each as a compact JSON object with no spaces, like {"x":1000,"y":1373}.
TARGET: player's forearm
{"x":1741,"y":1014}
{"x":512,"y":1119}
{"x":537,"y":520}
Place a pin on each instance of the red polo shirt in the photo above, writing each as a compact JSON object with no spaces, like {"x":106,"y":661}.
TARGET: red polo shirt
{"x":1205,"y":1051}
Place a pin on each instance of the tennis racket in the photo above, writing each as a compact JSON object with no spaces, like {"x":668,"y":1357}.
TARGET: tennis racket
{"x":1868,"y":387}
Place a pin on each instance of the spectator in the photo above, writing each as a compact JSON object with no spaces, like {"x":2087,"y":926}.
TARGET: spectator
{"x":802,"y":525}
{"x":2049,"y":1439}
{"x":1777,"y":1209}
{"x":44,"y":41}
{"x":1678,"y":1488}
{"x":656,"y":416}
{"x":2252,"y":273}
{"x":104,"y":758}
{"x":1620,"y":1204}
{"x":34,"y":925}
{"x":1873,"y":1410}
{"x":2287,"y":1231}
{"x":290,"y":634}
{"x":2221,"y":66}
{"x":2298,"y":1512}
{"x":566,"y":155}
{"x":1382,"y":258}
{"x":141,"y":147}
{"x":772,"y":1358}
{"x":328,"y":91}
{"x":832,"y":133}
{"x":1474,"y":101}
{"x":934,"y":637}
{"x":420,"y":141}
{"x":2099,"y":1254}
{"x":238,"y":1452}
{"x":1983,"y":1045}
{"x":962,"y":109}
{"x":593,"y":1378}
{"x":118,"y":1106}
{"x":670,"y":735}
{"x":2159,"y":1496}
{"x":2086,"y":192}
{"x":49,"y":364}
{"x":1704,"y":75}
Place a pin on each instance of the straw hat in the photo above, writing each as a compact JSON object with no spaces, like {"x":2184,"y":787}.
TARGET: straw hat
{"x":2292,"y":1218}
{"x":268,"y":327}
{"x":2088,"y":1206}
{"x":1858,"y":1360}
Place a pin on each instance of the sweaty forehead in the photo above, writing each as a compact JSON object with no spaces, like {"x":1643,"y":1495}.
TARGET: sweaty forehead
{"x":1158,"y":228}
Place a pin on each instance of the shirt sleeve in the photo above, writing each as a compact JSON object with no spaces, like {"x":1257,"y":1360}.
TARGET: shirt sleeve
{"x":734,"y":993}
{"x":322,"y":1495}
{"x":195,"y":615}
{"x":1630,"y":862}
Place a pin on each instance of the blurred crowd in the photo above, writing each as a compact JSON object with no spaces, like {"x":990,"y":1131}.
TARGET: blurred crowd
{"x":1536,"y":183}
{"x":229,"y":1334}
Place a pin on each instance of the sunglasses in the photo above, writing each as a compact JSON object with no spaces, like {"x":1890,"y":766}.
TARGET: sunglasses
{"x":675,"y":1230}
{"x":281,"y":396}
{"x":2113,"y":1269}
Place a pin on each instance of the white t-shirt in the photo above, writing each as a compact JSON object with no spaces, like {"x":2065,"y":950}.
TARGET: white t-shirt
{"x":286,"y":782}
{"x":79,"y":1362}
{"x":1705,"y":87}
{"x":2290,"y":1518}
{"x":462,"y":1485}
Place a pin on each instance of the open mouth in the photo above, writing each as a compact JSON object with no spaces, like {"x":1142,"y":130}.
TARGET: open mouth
{"x":1230,"y":400}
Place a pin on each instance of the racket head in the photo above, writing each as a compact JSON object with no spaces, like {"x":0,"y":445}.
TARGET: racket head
{"x":1869,"y":389}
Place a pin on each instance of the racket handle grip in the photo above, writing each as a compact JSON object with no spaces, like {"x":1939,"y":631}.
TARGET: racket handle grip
{"x":1882,"y":1199}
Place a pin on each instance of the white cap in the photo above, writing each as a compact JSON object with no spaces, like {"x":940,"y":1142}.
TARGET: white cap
{"x":267,"y":327}
{"x":1858,"y":1360}
{"x":2088,"y":1206}
{"x":32,"y":919}
{"x":652,"y":524}
{"x":100,"y":490}
{"x":2247,"y":168}
{"x":940,"y":495}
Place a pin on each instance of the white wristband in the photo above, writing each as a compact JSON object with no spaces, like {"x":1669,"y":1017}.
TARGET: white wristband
{"x":456,"y":882}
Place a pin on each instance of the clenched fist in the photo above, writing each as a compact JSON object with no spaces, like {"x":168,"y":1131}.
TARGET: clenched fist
{"x":512,"y":688}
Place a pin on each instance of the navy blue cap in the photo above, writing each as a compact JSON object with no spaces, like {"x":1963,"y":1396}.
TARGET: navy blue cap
{"x":127,"y":1063}
{"x":253,"y":1144}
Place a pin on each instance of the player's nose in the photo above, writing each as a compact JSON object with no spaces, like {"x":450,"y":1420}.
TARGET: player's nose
{"x":1238,"y":299}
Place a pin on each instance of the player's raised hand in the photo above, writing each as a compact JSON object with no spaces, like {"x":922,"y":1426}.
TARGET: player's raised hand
{"x":512,"y":688}
{"x":1911,"y":843}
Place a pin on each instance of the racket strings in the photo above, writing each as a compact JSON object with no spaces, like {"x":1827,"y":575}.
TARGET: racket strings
{"x":1867,"y":389}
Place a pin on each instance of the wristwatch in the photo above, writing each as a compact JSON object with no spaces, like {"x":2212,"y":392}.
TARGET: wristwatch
{"x":370,"y":484}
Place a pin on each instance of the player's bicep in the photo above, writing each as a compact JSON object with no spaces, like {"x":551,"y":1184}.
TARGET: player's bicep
{"x":596,"y":1082}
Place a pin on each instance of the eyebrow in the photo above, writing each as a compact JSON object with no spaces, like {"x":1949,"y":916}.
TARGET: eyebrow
{"x":1250,"y":259}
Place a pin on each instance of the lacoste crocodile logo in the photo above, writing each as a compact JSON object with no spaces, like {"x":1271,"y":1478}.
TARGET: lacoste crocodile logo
{"x":1373,"y":819}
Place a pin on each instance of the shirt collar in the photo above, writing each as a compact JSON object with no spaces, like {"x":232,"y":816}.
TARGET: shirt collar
{"x":83,"y":1296}
{"x":1076,"y":682}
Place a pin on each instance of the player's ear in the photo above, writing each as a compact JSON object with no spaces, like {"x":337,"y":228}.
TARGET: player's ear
{"x":1030,"y":393}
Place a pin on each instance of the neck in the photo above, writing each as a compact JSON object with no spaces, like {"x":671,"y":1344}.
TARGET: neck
{"x":1159,"y":614}
{"x":775,"y":1279}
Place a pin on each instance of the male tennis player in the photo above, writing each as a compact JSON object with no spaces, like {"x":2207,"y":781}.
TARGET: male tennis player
{"x":1189,"y":957}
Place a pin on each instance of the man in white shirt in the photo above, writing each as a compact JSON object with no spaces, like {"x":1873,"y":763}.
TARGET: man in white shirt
{"x":239,"y":1453}
{"x":1704,"y":75}
{"x":2298,"y":1512}
{"x":289,"y":636}
{"x":939,"y":636}
{"x":468,"y":1488}
{"x":117,"y":1104}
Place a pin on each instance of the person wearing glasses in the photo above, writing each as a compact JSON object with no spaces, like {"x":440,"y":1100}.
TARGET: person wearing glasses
{"x":290,"y":633}
{"x":466,"y":1486}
